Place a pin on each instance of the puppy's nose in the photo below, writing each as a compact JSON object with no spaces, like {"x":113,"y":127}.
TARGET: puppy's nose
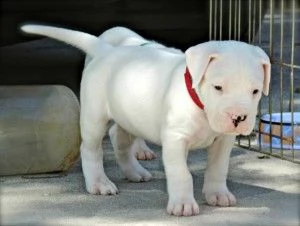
{"x":237,"y":119}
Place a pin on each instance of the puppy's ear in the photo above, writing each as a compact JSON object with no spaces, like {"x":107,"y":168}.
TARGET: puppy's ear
{"x":265,"y":61}
{"x":198,"y":59}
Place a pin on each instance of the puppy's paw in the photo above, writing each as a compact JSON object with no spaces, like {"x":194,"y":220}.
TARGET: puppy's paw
{"x":143,"y":154}
{"x":96,"y":181}
{"x":220,"y":199}
{"x":217,"y":194}
{"x":101,"y":187}
{"x":141,"y":151}
{"x":136,"y":173}
{"x":187,"y":207}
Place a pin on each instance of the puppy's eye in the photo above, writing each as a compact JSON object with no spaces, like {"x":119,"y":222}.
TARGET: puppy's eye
{"x":218,"y":88}
{"x":255,"y":91}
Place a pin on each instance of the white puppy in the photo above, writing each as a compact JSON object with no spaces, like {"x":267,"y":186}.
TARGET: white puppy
{"x":202,"y":98}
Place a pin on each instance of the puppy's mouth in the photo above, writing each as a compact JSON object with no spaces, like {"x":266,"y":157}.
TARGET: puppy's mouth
{"x":242,"y":129}
{"x":246,"y":133}
{"x":232,"y":128}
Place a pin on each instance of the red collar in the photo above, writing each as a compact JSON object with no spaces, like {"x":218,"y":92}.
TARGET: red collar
{"x":192,"y":92}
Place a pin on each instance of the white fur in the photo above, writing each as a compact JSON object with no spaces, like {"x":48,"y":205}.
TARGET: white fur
{"x":143,"y":90}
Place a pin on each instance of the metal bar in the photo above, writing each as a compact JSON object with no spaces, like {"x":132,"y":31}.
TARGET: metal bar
{"x":259,"y":42}
{"x":292,"y":71}
{"x":249,"y":20}
{"x":210,"y":19}
{"x":271,"y":28}
{"x":249,"y":41}
{"x":259,"y":22}
{"x":259,"y":134}
{"x":254,"y":21}
{"x":289,"y":140}
{"x":235,"y":20}
{"x":281,"y":71}
{"x":221,"y":19}
{"x":230,"y":18}
{"x":215,"y":19}
{"x":278,"y":62}
{"x":239,"y":21}
{"x":271,"y":54}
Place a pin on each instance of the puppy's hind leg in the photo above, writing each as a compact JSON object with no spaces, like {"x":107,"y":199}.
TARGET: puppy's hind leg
{"x":93,"y":125}
{"x":124,"y":147}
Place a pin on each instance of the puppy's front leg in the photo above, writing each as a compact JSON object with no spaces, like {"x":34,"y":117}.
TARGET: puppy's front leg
{"x":179,"y":179}
{"x":215,"y":188}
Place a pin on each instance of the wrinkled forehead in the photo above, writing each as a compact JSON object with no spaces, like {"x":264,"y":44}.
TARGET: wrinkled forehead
{"x":236,"y":66}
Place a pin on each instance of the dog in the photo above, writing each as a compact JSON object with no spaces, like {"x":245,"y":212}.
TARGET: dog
{"x":202,"y":98}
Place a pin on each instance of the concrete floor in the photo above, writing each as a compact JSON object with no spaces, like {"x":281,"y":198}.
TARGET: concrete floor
{"x":267,"y":190}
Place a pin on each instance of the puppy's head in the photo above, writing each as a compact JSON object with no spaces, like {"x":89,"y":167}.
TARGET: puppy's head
{"x":229,"y":77}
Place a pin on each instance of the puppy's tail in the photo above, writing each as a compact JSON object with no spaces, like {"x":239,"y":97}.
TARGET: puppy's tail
{"x":81,"y":40}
